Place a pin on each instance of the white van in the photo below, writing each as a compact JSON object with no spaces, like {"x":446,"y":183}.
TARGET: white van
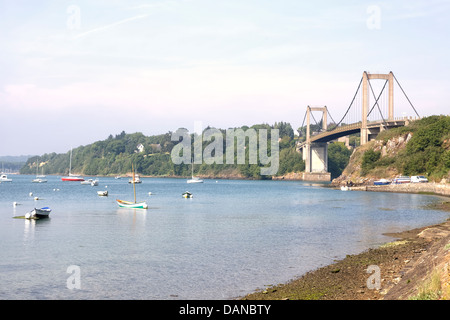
{"x":418,"y":179}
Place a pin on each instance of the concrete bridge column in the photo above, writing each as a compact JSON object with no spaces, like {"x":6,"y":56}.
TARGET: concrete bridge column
{"x":316,"y":157}
{"x":365,"y":101}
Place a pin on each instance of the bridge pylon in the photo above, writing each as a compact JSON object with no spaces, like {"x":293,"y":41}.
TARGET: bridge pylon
{"x":365,"y":100}
{"x":315,"y":154}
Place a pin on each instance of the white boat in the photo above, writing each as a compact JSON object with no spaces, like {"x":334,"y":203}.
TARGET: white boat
{"x":4,"y":178}
{"x":132,"y":205}
{"x":103,"y":193}
{"x":129,"y":204}
{"x":137,"y":179}
{"x":38,"y":213}
{"x":86,"y":182}
{"x":91,"y":182}
{"x":39,"y":178}
{"x":194,"y":179}
{"x":344,"y":188}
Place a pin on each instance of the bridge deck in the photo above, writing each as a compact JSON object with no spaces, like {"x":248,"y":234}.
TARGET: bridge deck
{"x":346,"y":130}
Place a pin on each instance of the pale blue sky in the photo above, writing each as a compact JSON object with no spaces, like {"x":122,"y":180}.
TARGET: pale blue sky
{"x":73,"y":72}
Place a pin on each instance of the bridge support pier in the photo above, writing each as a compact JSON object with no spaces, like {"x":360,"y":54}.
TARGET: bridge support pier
{"x":316,"y":162}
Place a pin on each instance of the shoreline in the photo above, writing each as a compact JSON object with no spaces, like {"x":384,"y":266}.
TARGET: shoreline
{"x":405,"y":265}
{"x":432,"y":188}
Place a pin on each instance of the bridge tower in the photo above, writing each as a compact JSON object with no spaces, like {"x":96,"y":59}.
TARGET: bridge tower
{"x":315,"y":154}
{"x":315,"y":148}
{"x":365,"y":101}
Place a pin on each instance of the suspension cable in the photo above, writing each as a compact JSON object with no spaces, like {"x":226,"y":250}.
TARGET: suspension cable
{"x":405,"y":95}
{"x":376,"y":102}
{"x":377,"y":98}
{"x":357,"y":90}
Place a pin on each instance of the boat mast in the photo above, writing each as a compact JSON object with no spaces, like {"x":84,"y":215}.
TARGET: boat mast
{"x":134,"y":186}
{"x":70,"y":162}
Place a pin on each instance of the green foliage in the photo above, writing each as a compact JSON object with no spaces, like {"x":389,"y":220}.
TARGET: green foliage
{"x":369,"y":160}
{"x":425,"y":154}
{"x":290,"y":161}
{"x":338,"y":157}
{"x":115,"y":155}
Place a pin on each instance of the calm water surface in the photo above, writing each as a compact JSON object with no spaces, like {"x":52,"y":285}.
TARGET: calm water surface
{"x":233,"y":237}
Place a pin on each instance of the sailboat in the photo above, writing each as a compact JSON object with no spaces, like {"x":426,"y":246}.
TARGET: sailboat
{"x":194,"y":179}
{"x":129,"y":204}
{"x":39,"y":178}
{"x":4,"y":177}
{"x":71,"y":177}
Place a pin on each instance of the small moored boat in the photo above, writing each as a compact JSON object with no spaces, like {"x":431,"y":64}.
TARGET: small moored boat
{"x":187,"y":194}
{"x":4,"y":178}
{"x":136,"y":179}
{"x":103,"y":193}
{"x":381,"y":182}
{"x":38,"y":213}
{"x":134,"y":205}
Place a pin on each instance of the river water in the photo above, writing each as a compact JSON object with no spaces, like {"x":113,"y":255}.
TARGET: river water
{"x":233,"y":237}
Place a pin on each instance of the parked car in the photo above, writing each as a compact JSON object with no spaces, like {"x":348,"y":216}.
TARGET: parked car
{"x":419,"y":179}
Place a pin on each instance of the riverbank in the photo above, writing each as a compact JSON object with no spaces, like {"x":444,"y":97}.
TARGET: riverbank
{"x":407,"y":267}
{"x":442,"y":189}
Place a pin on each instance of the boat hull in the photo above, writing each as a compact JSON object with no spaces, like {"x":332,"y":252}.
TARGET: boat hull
{"x":39,"y":181}
{"x":194,"y":180}
{"x":128,"y":204}
{"x":71,"y":179}
{"x":39,"y":213}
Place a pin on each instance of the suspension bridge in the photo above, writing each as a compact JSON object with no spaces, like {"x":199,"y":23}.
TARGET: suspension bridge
{"x":358,"y":118}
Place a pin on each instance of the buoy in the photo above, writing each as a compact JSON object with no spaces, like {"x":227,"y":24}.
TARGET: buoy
{"x":149,"y":193}
{"x":15,"y":203}
{"x":31,"y":194}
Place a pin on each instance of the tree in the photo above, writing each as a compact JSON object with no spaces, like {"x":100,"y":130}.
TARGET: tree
{"x":338,"y":157}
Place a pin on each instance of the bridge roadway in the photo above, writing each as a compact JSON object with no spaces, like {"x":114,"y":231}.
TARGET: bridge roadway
{"x":374,"y":127}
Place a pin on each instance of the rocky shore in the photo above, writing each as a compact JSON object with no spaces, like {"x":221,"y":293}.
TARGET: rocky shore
{"x":415,"y":266}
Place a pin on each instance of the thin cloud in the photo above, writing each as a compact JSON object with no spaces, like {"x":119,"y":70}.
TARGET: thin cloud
{"x":103,"y":28}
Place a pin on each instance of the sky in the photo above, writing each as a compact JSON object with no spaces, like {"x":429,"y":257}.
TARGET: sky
{"x":74,"y":72}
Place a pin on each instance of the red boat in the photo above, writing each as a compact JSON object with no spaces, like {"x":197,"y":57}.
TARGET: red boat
{"x":72,"y":178}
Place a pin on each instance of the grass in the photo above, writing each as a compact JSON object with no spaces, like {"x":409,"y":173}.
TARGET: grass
{"x":431,"y":288}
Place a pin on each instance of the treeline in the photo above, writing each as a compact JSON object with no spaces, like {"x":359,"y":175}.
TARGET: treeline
{"x":151,"y":156}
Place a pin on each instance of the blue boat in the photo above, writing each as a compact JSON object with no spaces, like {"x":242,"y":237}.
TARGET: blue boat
{"x":381,"y":182}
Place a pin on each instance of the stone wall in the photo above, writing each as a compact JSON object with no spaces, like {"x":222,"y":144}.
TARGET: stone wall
{"x":431,"y":187}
